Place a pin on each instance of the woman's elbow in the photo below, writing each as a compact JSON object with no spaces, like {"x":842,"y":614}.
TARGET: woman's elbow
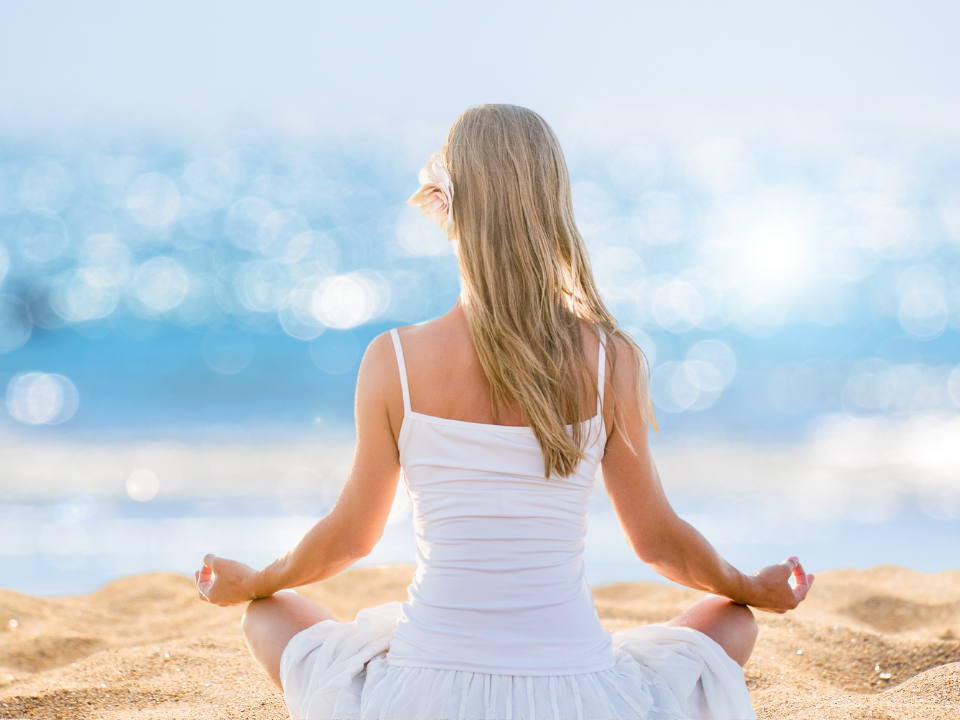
{"x":647,"y":555}
{"x":363,"y":544}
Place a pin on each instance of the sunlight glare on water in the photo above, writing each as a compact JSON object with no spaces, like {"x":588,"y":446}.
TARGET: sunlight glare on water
{"x":42,"y":238}
{"x":40,"y":398}
{"x":160,"y":284}
{"x":153,"y":199}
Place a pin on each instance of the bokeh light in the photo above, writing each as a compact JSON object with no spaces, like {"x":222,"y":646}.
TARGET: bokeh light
{"x":296,"y":314}
{"x":718,"y":355}
{"x":45,"y":187}
{"x":143,"y":485}
{"x":208,"y":181}
{"x":42,"y":238}
{"x":923,"y":312}
{"x":160,"y":284}
{"x":153,"y":199}
{"x":668,"y":217}
{"x":261,"y":286}
{"x":37,"y":398}
{"x":345,"y":301}
{"x":75,"y":509}
{"x":677,"y":306}
{"x":84,"y":294}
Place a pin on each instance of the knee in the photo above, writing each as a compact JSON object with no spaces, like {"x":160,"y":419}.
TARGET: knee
{"x":749,"y":622}
{"x":745,"y":631}
{"x":740,"y":615}
{"x":253,"y":611}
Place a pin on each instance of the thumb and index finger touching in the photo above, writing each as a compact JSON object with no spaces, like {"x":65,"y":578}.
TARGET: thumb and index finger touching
{"x":204,"y":576}
{"x":802,"y":579}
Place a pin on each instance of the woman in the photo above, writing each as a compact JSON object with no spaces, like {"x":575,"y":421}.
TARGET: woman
{"x":499,"y":413}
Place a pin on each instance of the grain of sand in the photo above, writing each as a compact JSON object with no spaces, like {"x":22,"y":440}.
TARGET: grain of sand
{"x":879,"y":643}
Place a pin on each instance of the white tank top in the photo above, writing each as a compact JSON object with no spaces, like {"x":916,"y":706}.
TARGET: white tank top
{"x":500,"y":585}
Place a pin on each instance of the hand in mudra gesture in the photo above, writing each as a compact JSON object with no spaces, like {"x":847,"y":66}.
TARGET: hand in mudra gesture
{"x":771,"y":590}
{"x":225,"y":582}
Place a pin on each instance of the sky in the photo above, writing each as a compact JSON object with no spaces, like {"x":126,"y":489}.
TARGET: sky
{"x":598,"y":71}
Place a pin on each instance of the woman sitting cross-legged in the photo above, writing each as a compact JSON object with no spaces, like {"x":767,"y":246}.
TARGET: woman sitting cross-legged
{"x":496,"y":416}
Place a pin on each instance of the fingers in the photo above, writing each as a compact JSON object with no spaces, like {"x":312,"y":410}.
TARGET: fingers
{"x":204,"y":577}
{"x":787,"y":568}
{"x":798,"y":574}
{"x":803,"y":581}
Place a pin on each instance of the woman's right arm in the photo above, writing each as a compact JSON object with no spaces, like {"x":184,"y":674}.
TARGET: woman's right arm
{"x":658,"y":536}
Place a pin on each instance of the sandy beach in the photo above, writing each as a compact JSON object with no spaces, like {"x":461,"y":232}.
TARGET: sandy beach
{"x":878,"y":643}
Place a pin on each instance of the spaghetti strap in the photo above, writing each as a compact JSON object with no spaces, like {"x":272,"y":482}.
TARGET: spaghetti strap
{"x":403,"y":372}
{"x":601,"y":369}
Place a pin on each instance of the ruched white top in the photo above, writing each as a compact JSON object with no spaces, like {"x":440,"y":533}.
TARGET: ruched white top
{"x":500,"y":585}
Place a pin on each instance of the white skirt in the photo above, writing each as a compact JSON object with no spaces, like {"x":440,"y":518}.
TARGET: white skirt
{"x":339,"y":670}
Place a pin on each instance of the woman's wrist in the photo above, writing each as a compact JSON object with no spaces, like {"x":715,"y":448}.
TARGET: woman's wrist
{"x":741,"y":588}
{"x":265,"y":582}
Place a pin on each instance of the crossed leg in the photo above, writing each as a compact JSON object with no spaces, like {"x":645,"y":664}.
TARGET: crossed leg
{"x":269,"y":624}
{"x":732,"y":626}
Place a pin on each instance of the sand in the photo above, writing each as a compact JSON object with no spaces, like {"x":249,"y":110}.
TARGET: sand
{"x":879,"y":643}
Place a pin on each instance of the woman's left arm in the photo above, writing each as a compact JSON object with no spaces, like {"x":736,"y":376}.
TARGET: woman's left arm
{"x":355,"y":524}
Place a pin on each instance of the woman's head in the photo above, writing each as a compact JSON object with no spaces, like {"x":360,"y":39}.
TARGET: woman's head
{"x":527,"y":282}
{"x":512,"y":209}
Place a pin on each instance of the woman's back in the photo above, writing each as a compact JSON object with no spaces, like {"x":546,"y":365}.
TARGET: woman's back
{"x":447,"y":380}
{"x":500,"y":585}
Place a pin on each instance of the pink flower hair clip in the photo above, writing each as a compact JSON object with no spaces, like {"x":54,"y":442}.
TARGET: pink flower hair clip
{"x":435,"y":196}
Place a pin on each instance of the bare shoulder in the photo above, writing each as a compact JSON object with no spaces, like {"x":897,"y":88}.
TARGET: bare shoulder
{"x":625,"y":381}
{"x":378,"y":359}
{"x":432,"y":346}
{"x":380,"y":366}
{"x":616,"y":347}
{"x":436,"y":331}
{"x":627,"y":373}
{"x":379,"y":397}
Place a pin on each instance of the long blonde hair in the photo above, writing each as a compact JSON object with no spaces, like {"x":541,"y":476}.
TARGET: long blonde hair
{"x":527,"y":281}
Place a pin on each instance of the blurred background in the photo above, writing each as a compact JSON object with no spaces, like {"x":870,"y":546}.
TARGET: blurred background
{"x":202,"y":225}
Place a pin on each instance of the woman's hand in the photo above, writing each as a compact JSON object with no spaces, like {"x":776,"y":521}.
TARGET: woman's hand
{"x":225,"y":582}
{"x":770,"y":590}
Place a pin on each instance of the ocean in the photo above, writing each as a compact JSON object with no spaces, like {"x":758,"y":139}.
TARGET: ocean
{"x":181,"y":327}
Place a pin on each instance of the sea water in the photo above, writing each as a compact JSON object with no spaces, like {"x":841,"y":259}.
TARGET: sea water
{"x":76,"y":544}
{"x":181,"y":329}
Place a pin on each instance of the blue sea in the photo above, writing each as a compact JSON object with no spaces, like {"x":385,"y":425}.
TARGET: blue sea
{"x":181,"y":327}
